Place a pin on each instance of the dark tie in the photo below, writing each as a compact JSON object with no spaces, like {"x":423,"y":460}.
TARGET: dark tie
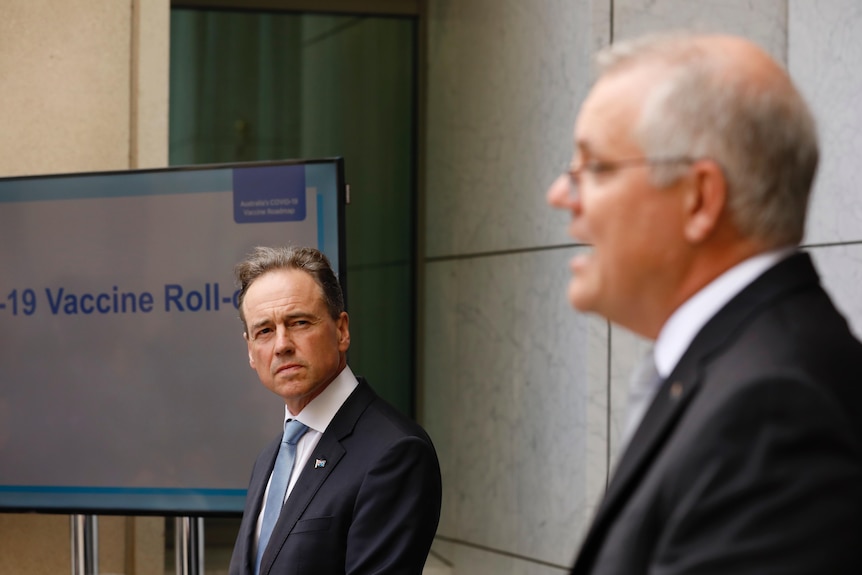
{"x":293,"y":430}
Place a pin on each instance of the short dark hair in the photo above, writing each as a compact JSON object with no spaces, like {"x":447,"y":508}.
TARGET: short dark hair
{"x":312,"y":261}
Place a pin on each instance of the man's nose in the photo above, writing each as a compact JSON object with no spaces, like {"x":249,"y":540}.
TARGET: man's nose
{"x":561,"y":194}
{"x":283,"y":340}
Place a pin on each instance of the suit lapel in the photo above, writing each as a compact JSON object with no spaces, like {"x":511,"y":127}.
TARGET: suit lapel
{"x":253,"y":505}
{"x":790,"y":275}
{"x":665,"y":410}
{"x":330,"y":449}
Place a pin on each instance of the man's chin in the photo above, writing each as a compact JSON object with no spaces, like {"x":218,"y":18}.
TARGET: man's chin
{"x":579,"y":298}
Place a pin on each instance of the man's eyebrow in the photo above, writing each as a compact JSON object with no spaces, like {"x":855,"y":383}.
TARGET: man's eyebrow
{"x":260,"y":323}
{"x":583,"y":147}
{"x":285,"y":317}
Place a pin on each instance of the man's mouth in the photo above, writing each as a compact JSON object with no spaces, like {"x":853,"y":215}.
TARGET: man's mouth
{"x":578,"y":263}
{"x":287,"y":367}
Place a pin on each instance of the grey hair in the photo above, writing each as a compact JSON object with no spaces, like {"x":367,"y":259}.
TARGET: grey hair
{"x":761,"y":133}
{"x":313,"y":262}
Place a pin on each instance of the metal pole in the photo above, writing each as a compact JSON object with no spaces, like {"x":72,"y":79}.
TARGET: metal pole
{"x":85,"y":545}
{"x":189,"y":545}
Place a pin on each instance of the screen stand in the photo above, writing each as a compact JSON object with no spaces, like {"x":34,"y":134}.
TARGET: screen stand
{"x":189,"y":545}
{"x":85,"y":545}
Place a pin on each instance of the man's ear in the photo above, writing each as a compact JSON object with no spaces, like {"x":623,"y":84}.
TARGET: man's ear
{"x":343,"y":326}
{"x":704,"y":201}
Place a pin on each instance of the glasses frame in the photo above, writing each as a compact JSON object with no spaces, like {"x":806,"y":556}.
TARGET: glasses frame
{"x":601,"y":167}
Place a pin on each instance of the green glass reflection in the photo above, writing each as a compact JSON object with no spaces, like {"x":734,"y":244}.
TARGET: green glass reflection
{"x":248,"y":86}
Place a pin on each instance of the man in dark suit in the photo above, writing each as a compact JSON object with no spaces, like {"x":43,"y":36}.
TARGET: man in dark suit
{"x":694,"y":158}
{"x":356,"y":488}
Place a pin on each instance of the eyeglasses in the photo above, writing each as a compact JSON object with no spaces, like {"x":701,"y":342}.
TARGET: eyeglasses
{"x":600,"y":167}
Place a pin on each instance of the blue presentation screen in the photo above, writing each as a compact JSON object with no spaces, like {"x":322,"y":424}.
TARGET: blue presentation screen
{"x":124,"y":378}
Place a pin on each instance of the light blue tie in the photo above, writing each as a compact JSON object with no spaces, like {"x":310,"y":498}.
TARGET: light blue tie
{"x":293,"y":430}
{"x":643,"y":385}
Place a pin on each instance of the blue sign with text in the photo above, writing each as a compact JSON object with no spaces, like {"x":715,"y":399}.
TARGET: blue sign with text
{"x":269,"y":195}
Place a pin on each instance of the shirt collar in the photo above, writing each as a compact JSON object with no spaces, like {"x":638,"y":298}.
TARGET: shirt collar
{"x":683,"y":325}
{"x":318,"y":414}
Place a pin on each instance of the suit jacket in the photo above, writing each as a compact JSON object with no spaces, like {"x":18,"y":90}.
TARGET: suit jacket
{"x":749,"y":459}
{"x":373,"y":507}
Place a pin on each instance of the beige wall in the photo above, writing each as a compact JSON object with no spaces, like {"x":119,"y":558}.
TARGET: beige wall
{"x":83,"y":87}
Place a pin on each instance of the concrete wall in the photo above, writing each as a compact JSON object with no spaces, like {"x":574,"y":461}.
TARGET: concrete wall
{"x":523,"y":396}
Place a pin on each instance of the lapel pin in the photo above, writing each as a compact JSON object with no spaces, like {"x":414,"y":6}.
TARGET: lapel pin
{"x":675,"y":390}
{"x":319,"y":463}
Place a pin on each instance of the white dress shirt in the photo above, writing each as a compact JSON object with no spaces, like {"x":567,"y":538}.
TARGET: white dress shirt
{"x":684,"y":324}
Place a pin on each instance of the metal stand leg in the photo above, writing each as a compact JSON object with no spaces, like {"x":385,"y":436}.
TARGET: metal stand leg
{"x":189,"y":545}
{"x":85,"y":545}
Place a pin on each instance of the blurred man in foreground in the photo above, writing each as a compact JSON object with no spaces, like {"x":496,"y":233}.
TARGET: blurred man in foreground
{"x":693,"y":162}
